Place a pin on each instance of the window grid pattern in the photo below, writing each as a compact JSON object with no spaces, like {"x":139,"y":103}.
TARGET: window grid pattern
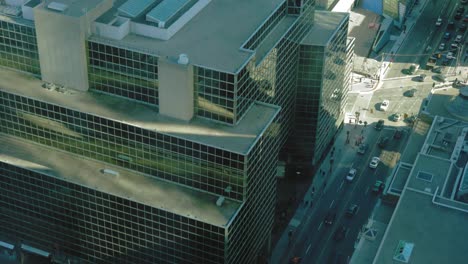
{"x":214,"y":95}
{"x":163,"y":156}
{"x":323,"y":84}
{"x":254,"y":223}
{"x":265,"y":29}
{"x":274,"y":79}
{"x":98,"y":227}
{"x":123,"y":72}
{"x":18,"y":47}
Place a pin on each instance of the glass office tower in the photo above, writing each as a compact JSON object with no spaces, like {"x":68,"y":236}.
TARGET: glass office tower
{"x":152,"y":135}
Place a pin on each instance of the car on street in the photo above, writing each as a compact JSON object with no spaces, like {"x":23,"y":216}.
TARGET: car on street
{"x":379,"y":124}
{"x":450,"y":55}
{"x":351,"y":174}
{"x":396,"y":117}
{"x":352,"y":210}
{"x":440,"y":78}
{"x":458,"y":39}
{"x":374,"y":162}
{"x":362,"y":148}
{"x":384,"y":105}
{"x":437,"y":70}
{"x":398,"y":134}
{"x":383,"y":142}
{"x":340,"y":233}
{"x":410,"y":93}
{"x":447,"y":35}
{"x":442,"y":46}
{"x":462,"y":28}
{"x":438,"y":22}
{"x":329,"y":218}
{"x":378,"y":187}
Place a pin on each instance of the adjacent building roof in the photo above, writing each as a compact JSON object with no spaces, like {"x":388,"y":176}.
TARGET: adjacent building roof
{"x":128,"y":184}
{"x":428,"y":216}
{"x":325,"y":26}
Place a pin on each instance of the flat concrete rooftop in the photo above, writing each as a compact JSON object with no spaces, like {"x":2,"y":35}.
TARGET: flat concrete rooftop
{"x":238,"y":139}
{"x":133,"y":186}
{"x":214,"y":37}
{"x":438,"y":233}
{"x":325,"y":26}
{"x":74,"y":8}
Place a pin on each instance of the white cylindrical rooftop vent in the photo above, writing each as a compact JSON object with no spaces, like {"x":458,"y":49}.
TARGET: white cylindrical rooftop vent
{"x":183,"y":59}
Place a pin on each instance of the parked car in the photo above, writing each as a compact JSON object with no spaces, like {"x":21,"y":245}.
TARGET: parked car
{"x":463,"y":2}
{"x":413,"y":68}
{"x":437,"y":70}
{"x":362,"y":148}
{"x":351,"y":174}
{"x":410,"y":93}
{"x":378,"y":186}
{"x":330,"y":218}
{"x":465,"y":19}
{"x":451,"y":25}
{"x":384,"y":105}
{"x":440,"y":78}
{"x":458,"y":16}
{"x":438,"y":22}
{"x":352,"y":210}
{"x":295,"y":260}
{"x":398,"y":134}
{"x":461,"y":9}
{"x":462,"y":28}
{"x":450,"y":55}
{"x":458,"y":38}
{"x":383,"y":142}
{"x":421,"y":77}
{"x":340,"y":233}
{"x":442,"y":46}
{"x":374,"y":162}
{"x":396,"y":117}
{"x":379,"y":124}
{"x":454,"y":47}
{"x":447,"y":35}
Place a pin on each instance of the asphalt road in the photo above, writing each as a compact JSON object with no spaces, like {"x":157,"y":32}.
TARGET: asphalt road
{"x":424,"y":34}
{"x":315,"y":243}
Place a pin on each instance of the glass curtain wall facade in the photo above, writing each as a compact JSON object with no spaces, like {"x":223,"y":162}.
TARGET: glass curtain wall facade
{"x":177,"y":160}
{"x":98,"y":227}
{"x":323,"y":85}
{"x":122,"y":72}
{"x":18,"y":47}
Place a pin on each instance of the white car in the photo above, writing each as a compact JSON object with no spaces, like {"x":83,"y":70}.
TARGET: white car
{"x":450,"y":56}
{"x":351,"y":174}
{"x":439,"y":22}
{"x":374,"y":162}
{"x":458,"y":39}
{"x":442,"y":46}
{"x":384,"y":105}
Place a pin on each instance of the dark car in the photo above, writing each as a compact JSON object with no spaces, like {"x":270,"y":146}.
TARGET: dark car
{"x":462,"y":28}
{"x":383,"y":142}
{"x":380,"y":124}
{"x":421,"y":78}
{"x":329,"y":218}
{"x":362,"y":148}
{"x":437,"y":70}
{"x":340,"y":233}
{"x":410,"y":93}
{"x":451,"y":25}
{"x":295,"y":260}
{"x":398,"y":134}
{"x":461,"y":9}
{"x":465,"y":19}
{"x":378,"y":187}
{"x":352,"y":210}
{"x":458,"y":16}
{"x":440,"y":78}
{"x":447,"y":35}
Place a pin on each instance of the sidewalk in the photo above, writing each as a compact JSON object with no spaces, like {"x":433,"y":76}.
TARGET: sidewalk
{"x":342,"y":156}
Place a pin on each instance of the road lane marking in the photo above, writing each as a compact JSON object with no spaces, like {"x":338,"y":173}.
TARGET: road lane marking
{"x":341,"y":185}
{"x":320,"y":226}
{"x":331,"y":205}
{"x":308,"y":248}
{"x":367,"y":190}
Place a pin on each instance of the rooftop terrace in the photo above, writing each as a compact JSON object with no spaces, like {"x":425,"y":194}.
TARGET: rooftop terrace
{"x":238,"y":139}
{"x":127,"y":184}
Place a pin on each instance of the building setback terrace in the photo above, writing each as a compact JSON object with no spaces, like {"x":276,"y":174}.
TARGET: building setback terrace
{"x":120,"y":182}
{"x":237,"y":139}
